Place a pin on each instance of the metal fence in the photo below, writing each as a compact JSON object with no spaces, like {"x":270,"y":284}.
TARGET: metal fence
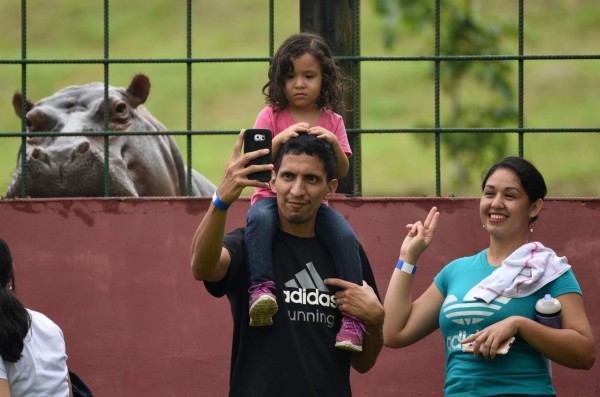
{"x":437,"y":59}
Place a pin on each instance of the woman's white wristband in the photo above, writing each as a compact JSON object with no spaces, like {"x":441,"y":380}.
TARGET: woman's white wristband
{"x":406,"y":267}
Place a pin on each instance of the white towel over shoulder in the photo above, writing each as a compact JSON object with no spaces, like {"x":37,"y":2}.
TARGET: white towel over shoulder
{"x":525,"y":271}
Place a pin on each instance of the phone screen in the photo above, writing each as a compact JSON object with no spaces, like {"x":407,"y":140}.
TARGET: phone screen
{"x":256,"y":139}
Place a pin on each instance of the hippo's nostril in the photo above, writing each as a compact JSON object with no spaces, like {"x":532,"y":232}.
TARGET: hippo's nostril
{"x":83,"y":147}
{"x":40,"y":155}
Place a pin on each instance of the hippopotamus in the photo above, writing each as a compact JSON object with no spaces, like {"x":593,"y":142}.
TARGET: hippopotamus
{"x":73,"y":165}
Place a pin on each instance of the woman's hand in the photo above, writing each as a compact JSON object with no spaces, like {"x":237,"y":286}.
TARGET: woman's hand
{"x":487,"y":341}
{"x":419,"y":237}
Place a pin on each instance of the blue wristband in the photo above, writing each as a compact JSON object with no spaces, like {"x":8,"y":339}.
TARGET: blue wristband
{"x":221,"y":205}
{"x":406,"y":267}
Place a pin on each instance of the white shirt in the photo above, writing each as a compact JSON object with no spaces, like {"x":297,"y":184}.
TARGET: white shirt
{"x":42,"y":369}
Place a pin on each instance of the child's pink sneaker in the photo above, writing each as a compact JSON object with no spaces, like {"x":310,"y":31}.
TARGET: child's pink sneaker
{"x":351,"y":334}
{"x":263,"y":304}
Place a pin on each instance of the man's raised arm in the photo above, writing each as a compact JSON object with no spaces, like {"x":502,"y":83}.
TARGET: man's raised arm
{"x":209,"y":260}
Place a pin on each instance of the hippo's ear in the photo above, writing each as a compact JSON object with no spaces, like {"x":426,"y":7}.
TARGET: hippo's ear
{"x":18,"y":104}
{"x":139,"y":89}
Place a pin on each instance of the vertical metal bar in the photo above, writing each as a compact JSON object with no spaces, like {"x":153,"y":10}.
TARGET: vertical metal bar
{"x":23,"y":152}
{"x":271,"y":28}
{"x":356,"y":110}
{"x":329,"y":18}
{"x":106,"y":104}
{"x":188,"y":188}
{"x":438,"y":177}
{"x":521,"y":67}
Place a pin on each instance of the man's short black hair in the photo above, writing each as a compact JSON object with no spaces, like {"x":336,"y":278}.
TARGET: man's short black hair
{"x":312,"y":146}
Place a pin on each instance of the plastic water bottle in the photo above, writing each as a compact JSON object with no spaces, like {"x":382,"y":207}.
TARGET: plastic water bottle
{"x":547,"y":311}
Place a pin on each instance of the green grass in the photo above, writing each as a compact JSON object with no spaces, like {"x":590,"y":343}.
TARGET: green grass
{"x":394,"y":95}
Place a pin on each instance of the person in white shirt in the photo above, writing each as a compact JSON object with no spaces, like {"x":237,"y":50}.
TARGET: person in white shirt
{"x":32,"y":347}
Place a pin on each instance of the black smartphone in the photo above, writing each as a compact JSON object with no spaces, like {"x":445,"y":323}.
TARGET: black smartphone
{"x":256,"y":139}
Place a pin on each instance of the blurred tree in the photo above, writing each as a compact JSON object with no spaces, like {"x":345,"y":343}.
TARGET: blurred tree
{"x":490,"y":102}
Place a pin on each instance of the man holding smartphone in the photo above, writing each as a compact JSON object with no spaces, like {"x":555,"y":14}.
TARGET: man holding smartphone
{"x":256,"y":139}
{"x":296,"y":356}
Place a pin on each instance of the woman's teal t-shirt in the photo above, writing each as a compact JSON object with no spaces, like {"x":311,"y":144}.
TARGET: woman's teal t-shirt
{"x":523,"y":370}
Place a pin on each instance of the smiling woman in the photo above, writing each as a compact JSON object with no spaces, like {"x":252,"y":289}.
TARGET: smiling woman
{"x":490,"y":297}
{"x":512,"y":198}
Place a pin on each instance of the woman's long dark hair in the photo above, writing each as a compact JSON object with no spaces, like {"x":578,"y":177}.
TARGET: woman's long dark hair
{"x":14,"y":318}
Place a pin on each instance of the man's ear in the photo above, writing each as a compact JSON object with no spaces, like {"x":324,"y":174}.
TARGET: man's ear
{"x":272,"y":183}
{"x":331,"y":188}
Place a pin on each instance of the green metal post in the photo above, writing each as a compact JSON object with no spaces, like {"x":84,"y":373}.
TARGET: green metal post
{"x":338,"y":23}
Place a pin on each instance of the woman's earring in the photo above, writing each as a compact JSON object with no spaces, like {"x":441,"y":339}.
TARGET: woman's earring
{"x":531,"y":227}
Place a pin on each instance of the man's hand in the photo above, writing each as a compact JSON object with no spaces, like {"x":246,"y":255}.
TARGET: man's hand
{"x":358,"y":301}
{"x":236,"y":174}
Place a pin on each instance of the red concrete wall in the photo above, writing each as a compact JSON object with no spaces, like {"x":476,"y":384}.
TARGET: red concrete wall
{"x":114,"y":274}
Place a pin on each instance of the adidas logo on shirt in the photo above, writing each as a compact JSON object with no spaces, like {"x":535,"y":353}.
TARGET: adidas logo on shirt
{"x":307,"y":288}
{"x":308,"y":278}
{"x":469,"y":311}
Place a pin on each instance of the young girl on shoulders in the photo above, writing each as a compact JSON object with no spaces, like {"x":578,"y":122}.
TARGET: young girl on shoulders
{"x":303,"y":89}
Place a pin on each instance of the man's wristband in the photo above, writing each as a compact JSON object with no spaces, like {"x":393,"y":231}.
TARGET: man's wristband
{"x":221,"y":205}
{"x":406,"y":267}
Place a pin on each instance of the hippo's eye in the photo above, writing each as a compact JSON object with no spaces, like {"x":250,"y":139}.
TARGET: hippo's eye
{"x":121,"y":108}
{"x":119,"y":112}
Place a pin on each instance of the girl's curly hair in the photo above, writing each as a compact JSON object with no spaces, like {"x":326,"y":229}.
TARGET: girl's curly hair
{"x":292,"y":48}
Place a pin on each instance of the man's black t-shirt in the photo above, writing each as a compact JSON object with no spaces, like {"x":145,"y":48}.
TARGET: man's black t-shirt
{"x":295,"y":356}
